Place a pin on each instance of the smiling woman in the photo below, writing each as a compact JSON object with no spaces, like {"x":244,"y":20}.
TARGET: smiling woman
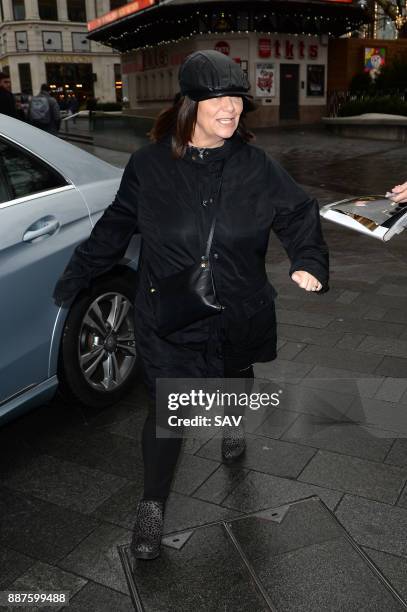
{"x":204,"y":201}
{"x":217,"y":119}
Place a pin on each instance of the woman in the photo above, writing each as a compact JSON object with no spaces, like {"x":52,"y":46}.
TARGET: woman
{"x":200,"y":161}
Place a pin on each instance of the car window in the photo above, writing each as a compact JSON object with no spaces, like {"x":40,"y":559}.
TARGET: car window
{"x":25,"y":173}
{"x":4,"y":188}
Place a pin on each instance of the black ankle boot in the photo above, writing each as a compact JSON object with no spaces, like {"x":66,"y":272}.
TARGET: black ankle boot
{"x":148,"y":529}
{"x":233,"y":443}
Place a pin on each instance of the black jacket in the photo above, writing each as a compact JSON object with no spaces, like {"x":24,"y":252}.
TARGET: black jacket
{"x":169,"y":202}
{"x":7,"y":103}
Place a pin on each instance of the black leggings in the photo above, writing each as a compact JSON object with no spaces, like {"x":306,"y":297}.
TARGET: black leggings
{"x":161,"y":454}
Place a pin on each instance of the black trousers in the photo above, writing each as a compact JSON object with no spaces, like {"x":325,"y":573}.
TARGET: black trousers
{"x":160,"y":455}
{"x":164,"y":359}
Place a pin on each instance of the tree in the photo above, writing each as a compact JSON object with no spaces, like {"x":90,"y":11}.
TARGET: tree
{"x":396,"y":12}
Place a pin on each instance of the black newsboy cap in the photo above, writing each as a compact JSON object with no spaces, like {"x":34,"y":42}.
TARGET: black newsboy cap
{"x":211,"y":74}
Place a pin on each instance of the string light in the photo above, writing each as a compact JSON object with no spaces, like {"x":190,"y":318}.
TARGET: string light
{"x":192,"y":26}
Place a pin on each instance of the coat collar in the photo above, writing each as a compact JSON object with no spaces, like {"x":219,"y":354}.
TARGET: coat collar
{"x":208,"y":155}
{"x":212,"y":161}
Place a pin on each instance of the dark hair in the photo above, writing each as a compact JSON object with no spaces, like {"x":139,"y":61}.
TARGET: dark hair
{"x":4,"y":75}
{"x":45,"y":87}
{"x":179,"y":121}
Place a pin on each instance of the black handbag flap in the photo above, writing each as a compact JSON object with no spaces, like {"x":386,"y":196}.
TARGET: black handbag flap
{"x":259,"y":300}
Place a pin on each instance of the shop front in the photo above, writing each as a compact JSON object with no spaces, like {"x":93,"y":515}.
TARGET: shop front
{"x":68,"y":79}
{"x":283,"y":47}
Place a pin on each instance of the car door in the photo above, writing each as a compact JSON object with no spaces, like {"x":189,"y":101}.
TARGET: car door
{"x":42,"y":218}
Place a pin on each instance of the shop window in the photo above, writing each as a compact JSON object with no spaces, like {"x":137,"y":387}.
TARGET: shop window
{"x":80,"y":42}
{"x":52,"y":41}
{"x":153,"y":90}
{"x":316,"y":80}
{"x":66,"y":79}
{"x":76,"y":10}
{"x":24,"y":72}
{"x":48,"y":10}
{"x":118,"y":85}
{"x":18,"y":10}
{"x":160,"y":86}
{"x":146,"y":88}
{"x":169,"y":84}
{"x":21,"y":41}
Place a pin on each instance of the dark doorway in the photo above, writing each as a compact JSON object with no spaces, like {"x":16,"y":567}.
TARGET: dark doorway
{"x":289,"y":91}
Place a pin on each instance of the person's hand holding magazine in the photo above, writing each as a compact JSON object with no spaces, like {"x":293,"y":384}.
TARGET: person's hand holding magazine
{"x":398,"y":193}
{"x":377,"y":216}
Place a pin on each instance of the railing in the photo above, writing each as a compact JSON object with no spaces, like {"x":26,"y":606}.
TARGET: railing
{"x":106,"y":129}
{"x":337,"y":98}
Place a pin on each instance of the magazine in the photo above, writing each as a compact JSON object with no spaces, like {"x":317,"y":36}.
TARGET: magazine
{"x":373,"y":215}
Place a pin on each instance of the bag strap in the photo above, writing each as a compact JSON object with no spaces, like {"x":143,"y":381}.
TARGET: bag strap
{"x":212,"y":229}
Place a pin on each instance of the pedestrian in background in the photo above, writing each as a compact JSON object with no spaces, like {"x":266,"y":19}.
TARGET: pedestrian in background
{"x":73,"y":106}
{"x":44,"y":112}
{"x":201,"y":177}
{"x":7,"y":101}
{"x":91,"y":105}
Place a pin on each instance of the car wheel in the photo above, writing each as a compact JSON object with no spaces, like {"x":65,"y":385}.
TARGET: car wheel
{"x":98,"y":358}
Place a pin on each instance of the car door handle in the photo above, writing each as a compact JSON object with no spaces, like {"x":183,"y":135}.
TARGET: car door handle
{"x":42,"y":227}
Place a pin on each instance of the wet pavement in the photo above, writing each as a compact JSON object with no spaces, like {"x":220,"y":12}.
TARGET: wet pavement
{"x":70,"y":479}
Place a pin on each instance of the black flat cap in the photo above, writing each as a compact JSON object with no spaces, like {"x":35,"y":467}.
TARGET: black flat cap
{"x":211,"y":74}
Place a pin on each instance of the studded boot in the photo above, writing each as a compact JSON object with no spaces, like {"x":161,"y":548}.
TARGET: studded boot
{"x":233,"y":443}
{"x":148,"y":529}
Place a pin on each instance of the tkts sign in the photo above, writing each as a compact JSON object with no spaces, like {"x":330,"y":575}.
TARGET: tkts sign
{"x":287,"y":49}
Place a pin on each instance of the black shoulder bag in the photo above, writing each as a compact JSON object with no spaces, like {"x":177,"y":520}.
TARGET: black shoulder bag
{"x":189,"y":295}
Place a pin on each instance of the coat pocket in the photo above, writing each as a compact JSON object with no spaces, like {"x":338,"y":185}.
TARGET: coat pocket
{"x":260,"y":299}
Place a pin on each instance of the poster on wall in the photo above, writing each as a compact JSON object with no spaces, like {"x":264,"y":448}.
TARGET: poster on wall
{"x":375,"y":59}
{"x":315,"y":80}
{"x":265,"y":79}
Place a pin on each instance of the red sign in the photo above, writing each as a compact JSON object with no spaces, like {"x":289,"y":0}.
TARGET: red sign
{"x":123,"y":11}
{"x":223,"y":47}
{"x":264,"y":47}
{"x":288,"y":49}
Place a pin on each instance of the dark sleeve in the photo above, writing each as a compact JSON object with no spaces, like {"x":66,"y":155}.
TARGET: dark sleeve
{"x":107,"y":242}
{"x":56,"y":114}
{"x":297,"y":224}
{"x":8,"y":105}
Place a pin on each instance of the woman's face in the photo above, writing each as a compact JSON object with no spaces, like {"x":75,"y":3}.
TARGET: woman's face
{"x":217,"y":119}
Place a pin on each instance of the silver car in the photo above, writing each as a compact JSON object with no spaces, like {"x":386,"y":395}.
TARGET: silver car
{"x":51,"y":194}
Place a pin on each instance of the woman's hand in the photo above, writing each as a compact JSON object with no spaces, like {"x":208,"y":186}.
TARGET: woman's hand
{"x":399,"y":193}
{"x":306,"y":281}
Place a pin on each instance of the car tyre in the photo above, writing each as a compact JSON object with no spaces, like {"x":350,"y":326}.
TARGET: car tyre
{"x":98,"y":361}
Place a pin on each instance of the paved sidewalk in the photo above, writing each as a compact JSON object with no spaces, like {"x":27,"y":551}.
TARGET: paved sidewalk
{"x":70,"y":480}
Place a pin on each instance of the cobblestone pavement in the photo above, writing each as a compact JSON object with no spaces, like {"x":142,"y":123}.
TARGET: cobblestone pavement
{"x":70,"y":479}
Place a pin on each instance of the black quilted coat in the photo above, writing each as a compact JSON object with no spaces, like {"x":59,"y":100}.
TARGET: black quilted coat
{"x":170,"y":203}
